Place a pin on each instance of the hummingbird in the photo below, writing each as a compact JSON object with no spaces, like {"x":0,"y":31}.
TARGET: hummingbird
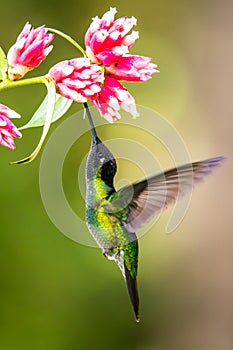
{"x":113,"y":217}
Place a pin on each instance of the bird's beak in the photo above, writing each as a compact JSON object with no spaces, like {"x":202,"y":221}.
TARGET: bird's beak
{"x":95,"y":139}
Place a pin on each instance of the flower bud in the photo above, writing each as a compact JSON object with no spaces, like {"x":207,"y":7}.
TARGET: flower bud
{"x":30,"y":49}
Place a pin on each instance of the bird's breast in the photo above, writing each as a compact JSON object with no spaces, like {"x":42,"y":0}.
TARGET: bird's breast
{"x":105,"y":228}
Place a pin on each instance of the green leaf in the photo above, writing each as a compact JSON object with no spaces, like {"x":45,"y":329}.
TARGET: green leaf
{"x":38,"y":119}
{"x":3,"y":65}
{"x":51,"y":100}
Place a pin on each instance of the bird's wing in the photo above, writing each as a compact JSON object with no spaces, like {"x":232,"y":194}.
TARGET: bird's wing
{"x":149,"y":196}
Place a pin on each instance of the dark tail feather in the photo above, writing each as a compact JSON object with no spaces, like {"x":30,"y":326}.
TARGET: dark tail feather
{"x":133,"y":292}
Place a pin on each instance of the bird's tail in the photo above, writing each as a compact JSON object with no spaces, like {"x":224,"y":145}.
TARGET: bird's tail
{"x":133,"y":292}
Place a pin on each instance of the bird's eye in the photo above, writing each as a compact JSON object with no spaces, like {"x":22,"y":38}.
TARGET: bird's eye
{"x":100,"y":156}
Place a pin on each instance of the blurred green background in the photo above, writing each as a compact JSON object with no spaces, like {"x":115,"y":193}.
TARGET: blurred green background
{"x":57,"y":294}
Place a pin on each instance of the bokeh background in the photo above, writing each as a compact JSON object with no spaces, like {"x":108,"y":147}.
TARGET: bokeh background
{"x":57,"y":294}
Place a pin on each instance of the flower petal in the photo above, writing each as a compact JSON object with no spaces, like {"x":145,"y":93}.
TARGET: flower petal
{"x":133,"y":68}
{"x":77,"y":79}
{"x":7,"y":129}
{"x":105,"y":35}
{"x":111,"y":98}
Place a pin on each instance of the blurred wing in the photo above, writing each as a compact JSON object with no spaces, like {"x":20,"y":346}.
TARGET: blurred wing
{"x":147,"y":197}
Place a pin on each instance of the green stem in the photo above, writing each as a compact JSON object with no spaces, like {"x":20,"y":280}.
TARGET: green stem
{"x":69,"y":39}
{"x":9,"y":84}
{"x":51,"y":93}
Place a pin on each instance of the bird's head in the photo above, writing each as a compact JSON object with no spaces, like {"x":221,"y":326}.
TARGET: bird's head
{"x":101,"y":162}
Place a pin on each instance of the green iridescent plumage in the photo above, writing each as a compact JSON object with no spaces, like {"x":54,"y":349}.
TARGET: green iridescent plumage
{"x":104,"y":222}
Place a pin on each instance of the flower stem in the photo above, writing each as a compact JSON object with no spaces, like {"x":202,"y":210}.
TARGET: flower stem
{"x":69,"y":39}
{"x":51,"y":95}
{"x":9,"y":84}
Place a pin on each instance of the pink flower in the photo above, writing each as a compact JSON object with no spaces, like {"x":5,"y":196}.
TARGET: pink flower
{"x":107,"y":44}
{"x":112,"y":98}
{"x":30,"y":49}
{"x":106,"y":39}
{"x":7,"y":129}
{"x":133,"y":68}
{"x":77,"y":79}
